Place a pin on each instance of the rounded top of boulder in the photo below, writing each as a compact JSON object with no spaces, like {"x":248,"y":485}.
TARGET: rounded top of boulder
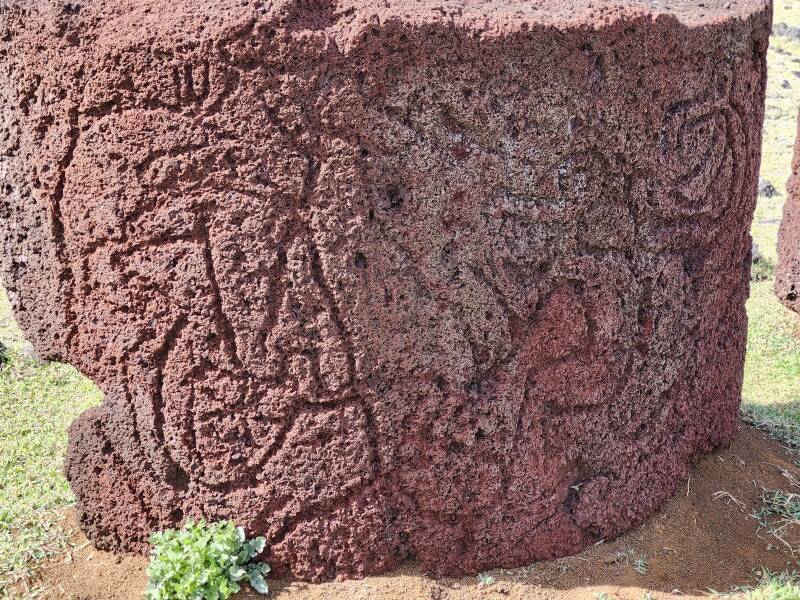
{"x":122,"y":22}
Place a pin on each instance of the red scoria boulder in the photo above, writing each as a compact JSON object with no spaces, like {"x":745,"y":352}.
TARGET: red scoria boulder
{"x":787,"y":273}
{"x":458,"y":280}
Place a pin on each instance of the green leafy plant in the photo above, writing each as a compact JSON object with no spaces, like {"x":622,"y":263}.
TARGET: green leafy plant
{"x":640,"y":565}
{"x":762,"y":269}
{"x":204,"y":561}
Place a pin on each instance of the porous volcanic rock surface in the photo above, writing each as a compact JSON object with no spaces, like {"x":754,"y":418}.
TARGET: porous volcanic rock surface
{"x":458,"y":280}
{"x":787,"y":273}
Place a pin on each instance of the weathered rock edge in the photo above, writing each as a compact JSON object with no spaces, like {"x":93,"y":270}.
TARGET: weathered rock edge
{"x":787,"y":272}
{"x":460,"y":282}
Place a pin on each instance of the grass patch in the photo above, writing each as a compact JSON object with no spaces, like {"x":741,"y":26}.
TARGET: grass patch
{"x":37,"y":403}
{"x":772,"y":367}
{"x":776,"y":590}
{"x":773,"y":586}
{"x":782,"y":428}
{"x":778,"y":512}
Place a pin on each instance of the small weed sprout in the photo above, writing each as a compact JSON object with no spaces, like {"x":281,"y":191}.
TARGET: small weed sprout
{"x":762,"y":269}
{"x":640,"y":565}
{"x":601,"y":596}
{"x":485,"y":579}
{"x":204,"y":561}
{"x":620,"y":557}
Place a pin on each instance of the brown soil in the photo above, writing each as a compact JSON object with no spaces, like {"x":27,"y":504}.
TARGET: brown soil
{"x":696,"y":544}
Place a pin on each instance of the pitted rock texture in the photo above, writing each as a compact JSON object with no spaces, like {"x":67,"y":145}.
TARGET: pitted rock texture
{"x":787,"y":272}
{"x":462,"y":281}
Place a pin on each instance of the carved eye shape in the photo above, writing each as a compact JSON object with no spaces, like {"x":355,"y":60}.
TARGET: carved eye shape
{"x":700,"y":141}
{"x":693,"y":139}
{"x":694,"y":148}
{"x":704,"y":146}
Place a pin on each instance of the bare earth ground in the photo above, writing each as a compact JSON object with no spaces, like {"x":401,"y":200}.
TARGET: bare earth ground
{"x":702,"y":541}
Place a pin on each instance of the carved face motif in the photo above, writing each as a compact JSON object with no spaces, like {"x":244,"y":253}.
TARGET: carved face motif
{"x":697,"y":145}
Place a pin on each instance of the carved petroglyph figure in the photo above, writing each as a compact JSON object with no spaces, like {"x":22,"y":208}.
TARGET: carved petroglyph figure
{"x":463,"y":283}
